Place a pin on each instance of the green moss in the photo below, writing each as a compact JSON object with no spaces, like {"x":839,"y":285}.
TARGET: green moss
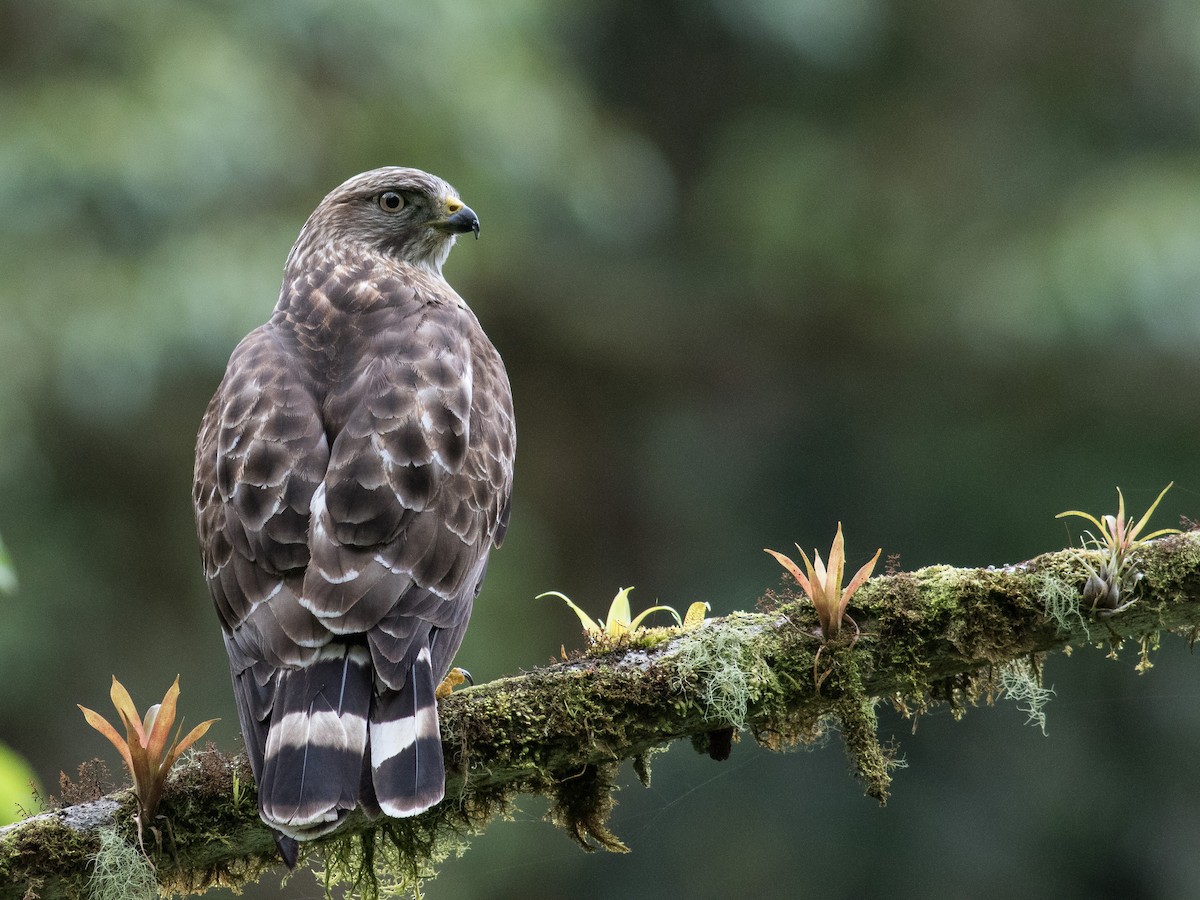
{"x":871,"y":763}
{"x":1172,"y":561}
{"x":641,"y":763}
{"x":391,"y":860}
{"x":939,"y":587}
{"x":192,"y":827}
{"x":36,"y":854}
{"x":855,"y":712}
{"x":649,"y":638}
{"x":895,"y":621}
{"x":983,"y":626}
{"x":583,"y":804}
{"x":393,"y":857}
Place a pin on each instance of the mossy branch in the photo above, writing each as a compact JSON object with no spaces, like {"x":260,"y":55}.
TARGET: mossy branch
{"x":940,"y":634}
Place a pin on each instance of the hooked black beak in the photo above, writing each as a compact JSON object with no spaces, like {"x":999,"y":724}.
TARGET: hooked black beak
{"x":464,"y":220}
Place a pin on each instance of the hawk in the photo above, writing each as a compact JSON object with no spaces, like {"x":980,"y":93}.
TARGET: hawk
{"x":353,"y":472}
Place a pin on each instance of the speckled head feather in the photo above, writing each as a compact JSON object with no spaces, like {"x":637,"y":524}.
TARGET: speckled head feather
{"x":353,"y":472}
{"x":409,"y":214}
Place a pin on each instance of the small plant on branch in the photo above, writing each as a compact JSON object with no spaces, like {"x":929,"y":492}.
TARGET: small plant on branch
{"x":144,"y":748}
{"x":823,"y":584}
{"x":1116,"y":578}
{"x":620,"y":620}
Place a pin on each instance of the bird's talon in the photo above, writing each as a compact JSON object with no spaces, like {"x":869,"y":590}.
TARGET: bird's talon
{"x":453,"y":679}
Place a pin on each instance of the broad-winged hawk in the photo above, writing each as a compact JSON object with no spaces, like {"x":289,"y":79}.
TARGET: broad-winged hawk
{"x":353,"y":471}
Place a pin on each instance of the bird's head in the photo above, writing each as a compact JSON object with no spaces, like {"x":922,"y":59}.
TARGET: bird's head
{"x":405,"y":213}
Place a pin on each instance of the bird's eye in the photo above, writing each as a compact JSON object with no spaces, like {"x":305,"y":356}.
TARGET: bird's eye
{"x":390,"y":201}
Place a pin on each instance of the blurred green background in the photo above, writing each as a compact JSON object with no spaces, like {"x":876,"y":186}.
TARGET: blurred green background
{"x":930,"y":268}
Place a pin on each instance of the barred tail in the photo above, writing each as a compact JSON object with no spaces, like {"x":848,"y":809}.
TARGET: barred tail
{"x":316,"y":743}
{"x":407,"y":769}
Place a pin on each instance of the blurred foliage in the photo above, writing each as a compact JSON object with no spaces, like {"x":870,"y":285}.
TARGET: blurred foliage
{"x":8,"y":575}
{"x":19,"y":787}
{"x":756,"y":267}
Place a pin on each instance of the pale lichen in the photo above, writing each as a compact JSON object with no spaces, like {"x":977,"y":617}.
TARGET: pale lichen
{"x":1062,"y":604}
{"x":1021,"y":682}
{"x":722,"y":669}
{"x":120,"y":871}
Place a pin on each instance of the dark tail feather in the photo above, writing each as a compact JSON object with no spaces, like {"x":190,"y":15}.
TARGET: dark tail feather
{"x":316,"y":742}
{"x":406,"y":745}
{"x":289,"y":850}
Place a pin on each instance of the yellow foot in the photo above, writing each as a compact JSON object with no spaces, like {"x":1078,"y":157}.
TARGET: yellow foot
{"x":453,"y":679}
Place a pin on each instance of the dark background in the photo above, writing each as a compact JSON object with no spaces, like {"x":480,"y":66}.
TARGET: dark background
{"x":928,"y":268}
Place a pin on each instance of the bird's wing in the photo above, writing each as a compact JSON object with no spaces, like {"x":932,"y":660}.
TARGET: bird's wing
{"x":260,"y":456}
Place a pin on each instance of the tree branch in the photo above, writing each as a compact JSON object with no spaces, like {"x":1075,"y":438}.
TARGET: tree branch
{"x":936,"y":635}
